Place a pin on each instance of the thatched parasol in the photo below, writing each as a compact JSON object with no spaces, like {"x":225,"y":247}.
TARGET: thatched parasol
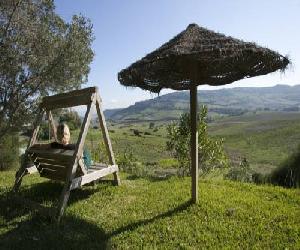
{"x":198,"y":56}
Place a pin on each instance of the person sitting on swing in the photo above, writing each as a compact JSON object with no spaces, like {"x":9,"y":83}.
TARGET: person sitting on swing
{"x":63,"y":142}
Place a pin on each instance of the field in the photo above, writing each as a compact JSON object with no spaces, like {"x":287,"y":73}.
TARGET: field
{"x":264,"y":139}
{"x":146,"y":213}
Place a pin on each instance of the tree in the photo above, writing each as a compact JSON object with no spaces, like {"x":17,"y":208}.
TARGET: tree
{"x":211,"y":151}
{"x":71,"y":118}
{"x":9,"y":152}
{"x":41,"y":54}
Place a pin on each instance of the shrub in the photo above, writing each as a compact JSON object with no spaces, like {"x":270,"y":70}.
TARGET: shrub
{"x":259,"y":178}
{"x":151,"y":125}
{"x":129,"y":164}
{"x":241,"y":173}
{"x":147,"y":133}
{"x":211,"y":151}
{"x":9,"y":152}
{"x":288,"y":172}
{"x":136,"y":132}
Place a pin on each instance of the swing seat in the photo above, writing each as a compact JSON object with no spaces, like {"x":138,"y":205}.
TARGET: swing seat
{"x":66,"y":164}
{"x":53,"y":163}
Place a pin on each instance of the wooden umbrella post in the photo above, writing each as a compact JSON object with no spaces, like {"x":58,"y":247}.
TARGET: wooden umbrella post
{"x":194,"y":143}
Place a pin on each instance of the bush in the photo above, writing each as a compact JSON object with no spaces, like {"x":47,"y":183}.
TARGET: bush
{"x":129,"y":164}
{"x":259,"y":178}
{"x":136,"y":132}
{"x":9,"y":152}
{"x":211,"y":150}
{"x":151,"y":125}
{"x":288,"y":173}
{"x":241,"y":173}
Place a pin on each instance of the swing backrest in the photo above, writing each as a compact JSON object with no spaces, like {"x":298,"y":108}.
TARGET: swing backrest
{"x":53,"y":163}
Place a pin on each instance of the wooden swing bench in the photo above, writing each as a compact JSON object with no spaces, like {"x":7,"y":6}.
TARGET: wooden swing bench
{"x":66,"y":164}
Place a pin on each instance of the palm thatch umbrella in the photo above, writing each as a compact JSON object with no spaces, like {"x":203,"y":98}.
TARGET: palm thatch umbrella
{"x":199,"y":56}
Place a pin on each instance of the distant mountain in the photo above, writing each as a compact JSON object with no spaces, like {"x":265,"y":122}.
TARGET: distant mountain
{"x":235,"y":101}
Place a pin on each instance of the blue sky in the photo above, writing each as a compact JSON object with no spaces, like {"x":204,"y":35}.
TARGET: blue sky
{"x":126,"y":30}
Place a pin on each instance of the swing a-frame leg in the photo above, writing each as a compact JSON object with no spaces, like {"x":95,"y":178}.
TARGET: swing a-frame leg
{"x":64,"y":197}
{"x":23,"y":170}
{"x":107,"y":142}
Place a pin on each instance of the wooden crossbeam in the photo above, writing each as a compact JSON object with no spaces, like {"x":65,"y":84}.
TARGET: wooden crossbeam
{"x":70,"y":99}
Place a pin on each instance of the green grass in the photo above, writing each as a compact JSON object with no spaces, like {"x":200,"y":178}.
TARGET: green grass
{"x":153,"y":214}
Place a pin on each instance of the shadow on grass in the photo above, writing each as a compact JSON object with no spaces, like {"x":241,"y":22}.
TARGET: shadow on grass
{"x":21,"y":228}
{"x":135,"y":225}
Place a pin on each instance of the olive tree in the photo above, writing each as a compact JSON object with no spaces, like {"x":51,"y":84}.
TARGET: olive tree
{"x":41,"y":54}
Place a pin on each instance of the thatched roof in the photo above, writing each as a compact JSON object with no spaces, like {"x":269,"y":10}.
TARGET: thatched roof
{"x":200,"y":56}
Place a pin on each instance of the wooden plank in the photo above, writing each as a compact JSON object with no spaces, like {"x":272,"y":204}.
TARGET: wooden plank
{"x":54,"y":167}
{"x":98,"y":166}
{"x":53,"y":175}
{"x":80,"y":181}
{"x":57,"y":154}
{"x":106,"y":138}
{"x":58,"y":162}
{"x":194,"y":143}
{"x":54,"y":151}
{"x":70,"y":99}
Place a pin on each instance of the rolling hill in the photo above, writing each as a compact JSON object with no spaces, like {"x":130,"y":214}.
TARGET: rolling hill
{"x":222,"y":102}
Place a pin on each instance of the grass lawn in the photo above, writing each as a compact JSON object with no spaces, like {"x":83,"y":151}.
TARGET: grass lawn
{"x":153,"y":213}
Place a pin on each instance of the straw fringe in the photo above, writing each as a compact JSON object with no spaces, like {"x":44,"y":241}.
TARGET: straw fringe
{"x":200,"y":56}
